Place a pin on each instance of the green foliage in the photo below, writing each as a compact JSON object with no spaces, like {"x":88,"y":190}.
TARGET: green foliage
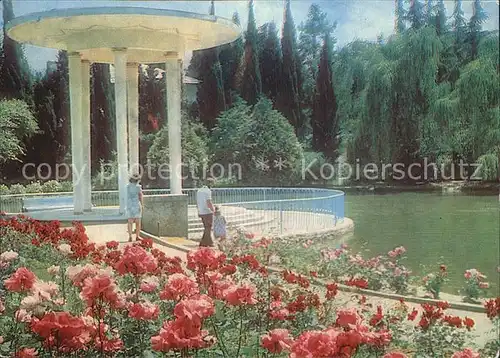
{"x":51,"y":186}
{"x":17,"y":124}
{"x":211,"y":94}
{"x":400,"y":15}
{"x":488,"y":166}
{"x":34,"y":187}
{"x":103,"y":127}
{"x":15,"y":75}
{"x":17,"y":189}
{"x":194,"y":149}
{"x":270,"y":60}
{"x":251,"y":83}
{"x":289,"y":98}
{"x":311,"y":38}
{"x":416,"y":14}
{"x":107,"y":175}
{"x":245,"y":135}
{"x":326,"y":134}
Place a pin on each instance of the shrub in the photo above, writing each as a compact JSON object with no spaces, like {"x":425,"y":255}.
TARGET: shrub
{"x":51,"y":186}
{"x":475,"y":285}
{"x":17,"y":189}
{"x":488,"y":167}
{"x":311,"y":164}
{"x":107,"y":176}
{"x":260,"y":140}
{"x":66,"y":186}
{"x":194,"y":149}
{"x":34,"y":187}
{"x":434,"y":281}
{"x":17,"y":123}
{"x":4,"y":189}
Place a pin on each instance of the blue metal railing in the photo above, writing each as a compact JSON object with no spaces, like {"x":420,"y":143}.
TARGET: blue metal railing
{"x":271,"y":204}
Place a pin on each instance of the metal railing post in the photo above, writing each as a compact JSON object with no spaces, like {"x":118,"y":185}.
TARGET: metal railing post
{"x":281,"y":218}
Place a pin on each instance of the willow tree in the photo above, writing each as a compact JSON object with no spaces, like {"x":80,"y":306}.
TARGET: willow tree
{"x":463,"y":123}
{"x":413,"y":86}
{"x":353,"y":69}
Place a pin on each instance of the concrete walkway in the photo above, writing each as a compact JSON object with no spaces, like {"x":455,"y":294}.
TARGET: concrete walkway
{"x":101,"y":234}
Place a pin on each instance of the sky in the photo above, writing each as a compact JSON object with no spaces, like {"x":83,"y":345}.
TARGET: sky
{"x":356,"y":19}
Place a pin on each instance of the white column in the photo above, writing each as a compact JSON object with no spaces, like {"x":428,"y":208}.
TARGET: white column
{"x":173,"y":78}
{"x":133,"y":115}
{"x":86,"y":180}
{"x":121,"y":124}
{"x":75,"y":94}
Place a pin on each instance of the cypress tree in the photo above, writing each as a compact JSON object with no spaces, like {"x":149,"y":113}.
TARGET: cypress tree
{"x":399,"y":16}
{"x":251,"y":84}
{"x":429,"y":12}
{"x":440,"y":18}
{"x":230,"y":58}
{"x":270,"y":61}
{"x":459,"y":28}
{"x":310,"y":46}
{"x":15,"y":76}
{"x":416,"y":14}
{"x":102,"y":115}
{"x":289,"y":97}
{"x":210,"y":95}
{"x":324,"y":117}
{"x":475,"y":27}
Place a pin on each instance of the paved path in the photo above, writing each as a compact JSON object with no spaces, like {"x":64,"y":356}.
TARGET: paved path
{"x":118,"y":232}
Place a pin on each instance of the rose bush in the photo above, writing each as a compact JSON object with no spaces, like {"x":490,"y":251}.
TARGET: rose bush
{"x":134,"y":301}
{"x":475,"y":285}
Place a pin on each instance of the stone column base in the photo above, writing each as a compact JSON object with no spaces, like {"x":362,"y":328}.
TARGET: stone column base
{"x":166,"y":215}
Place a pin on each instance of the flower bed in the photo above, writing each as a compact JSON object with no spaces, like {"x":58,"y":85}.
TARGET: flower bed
{"x":385,"y":273}
{"x":133,"y":301}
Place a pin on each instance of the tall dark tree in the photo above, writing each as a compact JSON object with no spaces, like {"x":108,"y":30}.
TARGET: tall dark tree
{"x":459,"y":25}
{"x":270,"y":61}
{"x":429,"y":12}
{"x":152,"y":109}
{"x":51,"y":103}
{"x":476,"y":21}
{"x":399,"y":16}
{"x":251,"y":83}
{"x":440,"y":18}
{"x":324,"y":117}
{"x":102,"y":116}
{"x":231,"y":58}
{"x":210,"y":95}
{"x":312,"y":33}
{"x":416,"y":14}
{"x":15,"y":75}
{"x":289,"y":97}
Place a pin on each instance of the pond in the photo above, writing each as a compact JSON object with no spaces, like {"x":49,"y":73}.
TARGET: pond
{"x":461,"y":231}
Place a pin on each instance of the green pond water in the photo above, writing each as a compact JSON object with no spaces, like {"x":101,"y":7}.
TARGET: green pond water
{"x":461,"y":231}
